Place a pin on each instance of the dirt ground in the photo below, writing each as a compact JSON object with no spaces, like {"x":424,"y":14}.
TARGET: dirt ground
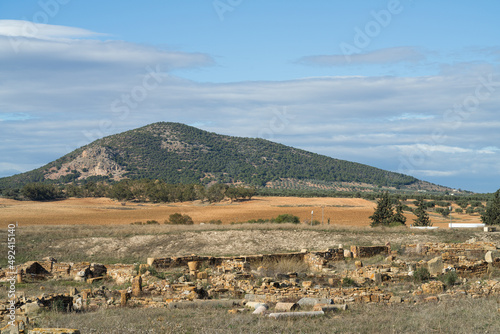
{"x":104,"y":211}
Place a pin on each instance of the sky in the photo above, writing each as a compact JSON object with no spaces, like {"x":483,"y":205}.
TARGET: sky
{"x":410,"y":86}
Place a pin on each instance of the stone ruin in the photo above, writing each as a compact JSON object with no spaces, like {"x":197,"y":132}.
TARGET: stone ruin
{"x":238,"y":281}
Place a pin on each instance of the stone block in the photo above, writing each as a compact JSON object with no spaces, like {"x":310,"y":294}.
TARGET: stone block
{"x":306,"y":284}
{"x":395,"y":299}
{"x":261,"y":309}
{"x":202,"y":275}
{"x":124,"y":296}
{"x":308,"y":301}
{"x":433,"y":288}
{"x":435,"y":266}
{"x":329,"y":307}
{"x":17,"y":327}
{"x":53,"y":331}
{"x":78,"y":304}
{"x":253,"y":305}
{"x":137,"y":286}
{"x":73,"y":291}
{"x":286,"y":307}
{"x":30,"y":308}
{"x":490,"y":256}
{"x":295,"y":314}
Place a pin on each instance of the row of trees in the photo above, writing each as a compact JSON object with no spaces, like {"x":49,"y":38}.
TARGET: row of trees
{"x":384,"y":214}
{"x":139,"y":190}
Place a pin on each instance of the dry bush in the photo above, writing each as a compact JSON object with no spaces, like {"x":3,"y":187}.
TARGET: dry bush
{"x":271,"y":268}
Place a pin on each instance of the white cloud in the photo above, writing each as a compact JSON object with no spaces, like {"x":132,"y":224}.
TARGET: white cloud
{"x":381,"y":56}
{"x":433,"y":148}
{"x":489,"y":150}
{"x":36,"y":45}
{"x":19,"y":28}
{"x":437,"y":173}
{"x":63,"y":90}
{"x":410,"y":116}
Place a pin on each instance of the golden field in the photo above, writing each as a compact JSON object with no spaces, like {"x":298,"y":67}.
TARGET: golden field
{"x":104,"y":211}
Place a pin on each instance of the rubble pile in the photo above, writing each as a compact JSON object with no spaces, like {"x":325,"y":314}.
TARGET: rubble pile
{"x":336,"y":278}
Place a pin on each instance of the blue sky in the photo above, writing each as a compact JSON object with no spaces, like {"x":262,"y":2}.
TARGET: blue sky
{"x":411,"y":86}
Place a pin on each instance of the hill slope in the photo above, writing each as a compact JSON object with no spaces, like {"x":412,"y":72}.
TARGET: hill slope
{"x":178,"y":153}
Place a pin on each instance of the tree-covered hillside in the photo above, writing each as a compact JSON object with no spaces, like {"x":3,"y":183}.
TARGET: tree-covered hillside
{"x":177,"y":153}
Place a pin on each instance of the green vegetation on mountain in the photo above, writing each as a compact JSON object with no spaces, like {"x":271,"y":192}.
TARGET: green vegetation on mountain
{"x":177,"y":153}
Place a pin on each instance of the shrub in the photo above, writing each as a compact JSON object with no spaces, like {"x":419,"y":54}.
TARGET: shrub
{"x":314,"y":222}
{"x":178,"y":219}
{"x":256,"y":221}
{"x":215,"y":222}
{"x":152,"y":270}
{"x":287,"y":218}
{"x":272,"y":267}
{"x":347,"y":281}
{"x":444,"y":212}
{"x":152,"y":222}
{"x":450,"y":278}
{"x":40,"y":192}
{"x":421,"y":275}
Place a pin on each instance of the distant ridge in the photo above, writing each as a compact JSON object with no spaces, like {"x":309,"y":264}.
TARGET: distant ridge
{"x":178,"y":153}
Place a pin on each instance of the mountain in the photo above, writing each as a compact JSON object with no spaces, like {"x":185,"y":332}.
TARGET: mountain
{"x":177,"y":153}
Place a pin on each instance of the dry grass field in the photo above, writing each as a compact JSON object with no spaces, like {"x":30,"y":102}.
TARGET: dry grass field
{"x":456,"y":316}
{"x":104,"y":211}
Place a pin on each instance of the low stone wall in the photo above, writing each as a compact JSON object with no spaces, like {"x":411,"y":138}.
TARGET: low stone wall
{"x":84,"y":270}
{"x":315,"y":259}
{"x":461,"y":249}
{"x":318,"y":260}
{"x":477,"y":269}
{"x":369,"y":251}
{"x":172,"y":262}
